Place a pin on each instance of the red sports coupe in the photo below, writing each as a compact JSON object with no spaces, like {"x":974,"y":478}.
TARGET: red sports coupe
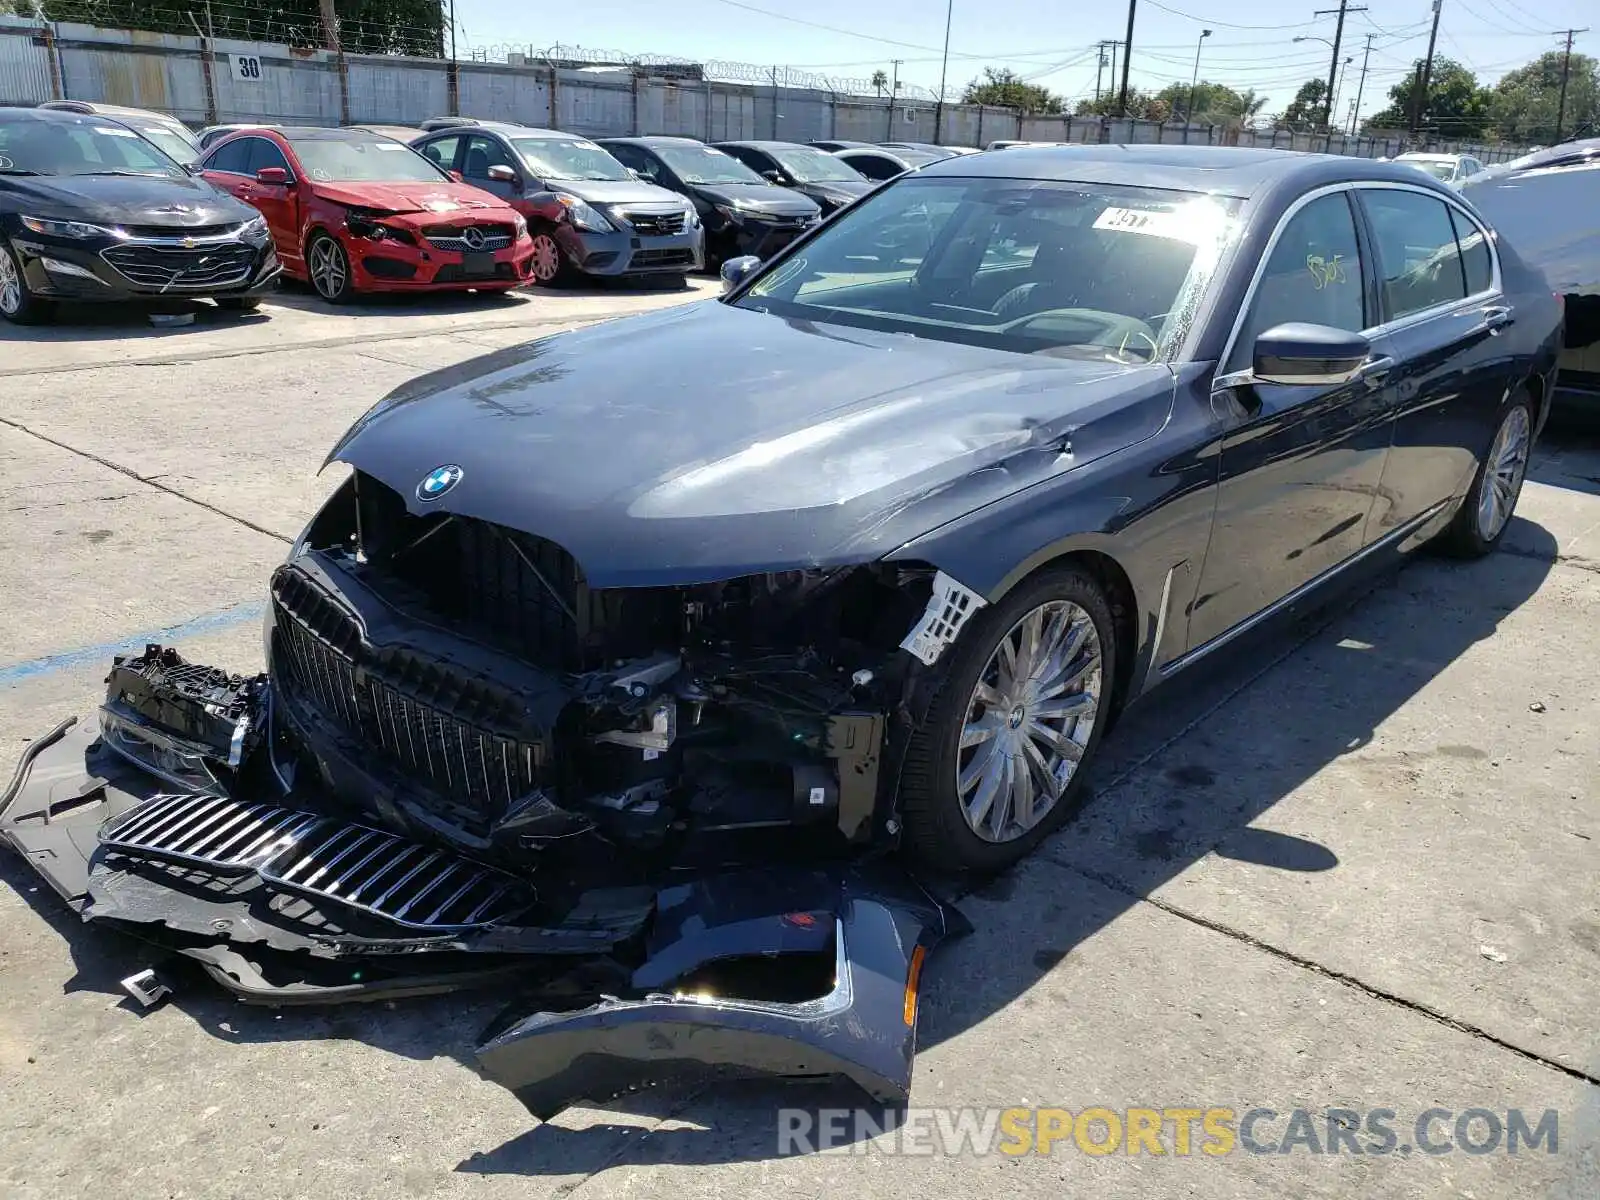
{"x":352,"y":211}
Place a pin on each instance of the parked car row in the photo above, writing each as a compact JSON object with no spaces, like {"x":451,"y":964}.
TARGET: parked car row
{"x":455,"y":203}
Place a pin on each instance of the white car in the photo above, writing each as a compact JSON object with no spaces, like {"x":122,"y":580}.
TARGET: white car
{"x":1451,"y":168}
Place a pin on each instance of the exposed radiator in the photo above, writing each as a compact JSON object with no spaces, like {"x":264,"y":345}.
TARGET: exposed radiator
{"x":366,"y":869}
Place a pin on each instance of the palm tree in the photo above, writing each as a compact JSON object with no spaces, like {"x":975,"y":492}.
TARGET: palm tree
{"x":880,"y":80}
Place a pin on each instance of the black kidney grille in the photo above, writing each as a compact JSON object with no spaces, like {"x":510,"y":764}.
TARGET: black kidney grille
{"x":409,"y":721}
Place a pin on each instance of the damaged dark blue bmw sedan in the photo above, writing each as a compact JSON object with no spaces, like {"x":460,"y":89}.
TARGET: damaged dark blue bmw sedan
{"x":650,"y":673}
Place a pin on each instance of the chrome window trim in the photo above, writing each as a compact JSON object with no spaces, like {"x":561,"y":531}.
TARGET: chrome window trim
{"x":1387,"y":327}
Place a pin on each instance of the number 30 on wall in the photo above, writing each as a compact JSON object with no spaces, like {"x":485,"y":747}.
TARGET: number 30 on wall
{"x":247,"y":67}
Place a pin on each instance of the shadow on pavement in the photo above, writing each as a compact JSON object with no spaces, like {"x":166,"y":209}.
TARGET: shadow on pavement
{"x":1166,"y":792}
{"x":107,"y":322}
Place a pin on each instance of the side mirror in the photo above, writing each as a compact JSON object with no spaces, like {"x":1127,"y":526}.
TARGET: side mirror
{"x":274,"y":176}
{"x":635,"y":174}
{"x":736,"y":270}
{"x":501,"y":173}
{"x":1300,"y":353}
{"x":458,"y":176}
{"x":193,"y":168}
{"x":774,"y":176}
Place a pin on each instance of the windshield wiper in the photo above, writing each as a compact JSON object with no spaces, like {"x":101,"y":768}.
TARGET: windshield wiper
{"x":18,"y":171}
{"x":135,"y":174}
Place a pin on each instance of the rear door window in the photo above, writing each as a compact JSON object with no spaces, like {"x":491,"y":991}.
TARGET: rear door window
{"x":232,"y":157}
{"x":1475,"y":253}
{"x":1419,"y":261}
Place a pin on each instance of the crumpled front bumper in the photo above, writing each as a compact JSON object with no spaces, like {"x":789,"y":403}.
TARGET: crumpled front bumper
{"x":766,"y":970}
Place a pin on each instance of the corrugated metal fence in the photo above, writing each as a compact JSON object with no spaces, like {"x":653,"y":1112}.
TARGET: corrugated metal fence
{"x":220,"y":81}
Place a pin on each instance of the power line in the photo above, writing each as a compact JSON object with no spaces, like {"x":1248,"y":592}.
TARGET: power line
{"x":1220,"y":23}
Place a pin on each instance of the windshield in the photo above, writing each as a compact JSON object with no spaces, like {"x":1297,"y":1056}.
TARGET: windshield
{"x":816,"y":166}
{"x":350,"y":160}
{"x":1074,"y":270}
{"x":177,"y":147}
{"x":705,"y":164}
{"x":1439,"y":168}
{"x":49,"y":148}
{"x":568,"y":158}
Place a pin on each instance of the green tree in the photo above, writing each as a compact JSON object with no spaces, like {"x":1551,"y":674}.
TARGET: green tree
{"x":1004,"y":88}
{"x":1141,"y":106}
{"x":1458,"y":107}
{"x":1308,"y":108}
{"x":1212,"y":101}
{"x":366,"y":26}
{"x":1524,"y":104}
{"x":880,"y":82}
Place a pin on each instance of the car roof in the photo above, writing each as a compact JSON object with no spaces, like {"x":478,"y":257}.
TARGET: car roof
{"x":1428,"y":156}
{"x":320,"y":133}
{"x":54,"y":116}
{"x":1223,"y":170}
{"x":754,"y":145}
{"x":109,"y":110}
{"x":659,"y":139}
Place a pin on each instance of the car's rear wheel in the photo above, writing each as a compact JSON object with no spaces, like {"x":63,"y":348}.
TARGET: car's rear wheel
{"x":18,"y":304}
{"x":998,"y":764}
{"x":329,"y":268}
{"x":548,"y":267}
{"x":1485,"y":515}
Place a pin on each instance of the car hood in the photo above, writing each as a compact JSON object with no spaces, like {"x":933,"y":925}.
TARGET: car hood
{"x":618,"y":191}
{"x":182,"y":203}
{"x":1548,"y":217}
{"x":762,"y":197}
{"x":440,"y":197}
{"x":707,"y":441}
{"x":836,"y":192}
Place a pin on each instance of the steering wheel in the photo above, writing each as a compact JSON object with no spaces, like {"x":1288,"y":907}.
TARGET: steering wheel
{"x":1110,"y":329}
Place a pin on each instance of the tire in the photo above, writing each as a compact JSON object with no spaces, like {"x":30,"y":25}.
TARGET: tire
{"x":938,"y":832}
{"x":238,"y":303}
{"x":550,"y":267}
{"x":18,"y":304}
{"x":1485,"y":514}
{"x":328,"y":269}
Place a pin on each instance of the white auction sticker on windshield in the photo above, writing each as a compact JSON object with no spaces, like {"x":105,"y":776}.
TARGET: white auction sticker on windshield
{"x":113,"y":131}
{"x":1138,"y":220}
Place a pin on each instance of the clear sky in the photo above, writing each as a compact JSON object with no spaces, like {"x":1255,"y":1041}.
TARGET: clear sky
{"x":1252,"y":42}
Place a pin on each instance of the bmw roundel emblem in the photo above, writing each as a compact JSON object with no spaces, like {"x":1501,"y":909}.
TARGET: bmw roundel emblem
{"x":439,"y":481}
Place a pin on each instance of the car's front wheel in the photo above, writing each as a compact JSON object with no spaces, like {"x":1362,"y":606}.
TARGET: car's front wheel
{"x":548,"y":266}
{"x":998,"y":763}
{"x":329,"y":268}
{"x":18,"y":304}
{"x":1485,"y":514}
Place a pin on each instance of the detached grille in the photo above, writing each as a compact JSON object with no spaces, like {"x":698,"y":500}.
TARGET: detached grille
{"x":439,"y":727}
{"x":363,"y":868}
{"x":178,"y":269}
{"x":469,"y":239}
{"x":655,"y":224}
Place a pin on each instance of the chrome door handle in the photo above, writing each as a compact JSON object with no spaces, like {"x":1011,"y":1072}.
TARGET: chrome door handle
{"x":1375,"y":370}
{"x":1496,"y":317}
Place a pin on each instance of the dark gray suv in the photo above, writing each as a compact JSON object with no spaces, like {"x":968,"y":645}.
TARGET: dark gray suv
{"x":587,"y":212}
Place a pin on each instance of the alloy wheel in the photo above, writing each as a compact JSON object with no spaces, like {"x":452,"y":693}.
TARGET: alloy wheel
{"x":546,"y":258}
{"x":1029,"y":720}
{"x":10,"y":284}
{"x":1503,"y":473}
{"x":328,"y":270}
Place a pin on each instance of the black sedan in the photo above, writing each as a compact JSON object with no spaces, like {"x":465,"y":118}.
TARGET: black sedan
{"x":813,"y":172}
{"x":92,"y":211}
{"x":629,"y":652}
{"x":742,"y":212}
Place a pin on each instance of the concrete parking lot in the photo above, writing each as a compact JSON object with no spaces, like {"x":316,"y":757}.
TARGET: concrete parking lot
{"x":1357,"y":867}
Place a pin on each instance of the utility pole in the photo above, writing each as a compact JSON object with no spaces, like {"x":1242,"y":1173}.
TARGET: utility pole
{"x":1361,"y":87}
{"x":1566,"y":70}
{"x":1419,"y":107}
{"x":1333,"y":63}
{"x":1127,"y":57}
{"x":944,"y":66}
{"x":1194,"y":81}
{"x":1115,"y":46}
{"x":1334,"y":100}
{"x":894,"y":92}
{"x":1100,"y":69}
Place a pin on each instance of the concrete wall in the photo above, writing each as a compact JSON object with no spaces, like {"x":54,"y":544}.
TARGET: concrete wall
{"x":170,"y":73}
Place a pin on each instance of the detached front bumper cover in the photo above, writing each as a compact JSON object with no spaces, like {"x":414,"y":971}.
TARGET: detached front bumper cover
{"x":778,"y":971}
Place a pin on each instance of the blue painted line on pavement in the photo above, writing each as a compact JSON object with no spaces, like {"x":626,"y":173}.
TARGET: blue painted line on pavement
{"x":214,"y":622}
